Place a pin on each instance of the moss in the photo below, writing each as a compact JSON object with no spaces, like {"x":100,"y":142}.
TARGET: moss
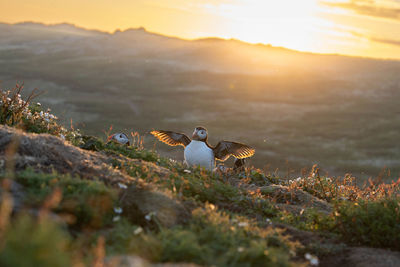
{"x":371,"y":223}
{"x":90,"y":202}
{"x":28,"y":242}
{"x":210,"y":238}
{"x":215,"y":238}
{"x":91,"y":143}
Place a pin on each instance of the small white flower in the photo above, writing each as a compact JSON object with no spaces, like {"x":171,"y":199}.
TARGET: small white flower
{"x":268,"y":220}
{"x":149,"y":216}
{"x":38,"y":104}
{"x":118,"y":210}
{"x":329,"y":180}
{"x":312,"y":259}
{"x":116,"y":218}
{"x":240,"y":249}
{"x":187,"y":171}
{"x":298,"y":179}
{"x":314,"y":262}
{"x":62,"y":136}
{"x":243,"y":224}
{"x":122,"y":186}
{"x":138,"y":230}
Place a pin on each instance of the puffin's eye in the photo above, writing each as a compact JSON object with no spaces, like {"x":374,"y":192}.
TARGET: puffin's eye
{"x":120,"y":136}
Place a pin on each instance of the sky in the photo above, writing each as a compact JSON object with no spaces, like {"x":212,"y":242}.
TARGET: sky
{"x":368,"y":28}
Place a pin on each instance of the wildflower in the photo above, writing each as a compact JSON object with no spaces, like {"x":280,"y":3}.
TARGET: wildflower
{"x":118,"y":210}
{"x":149,"y":216}
{"x":122,"y":186}
{"x":240,"y":249}
{"x":298,"y":179}
{"x":116,"y":218}
{"x":268,"y":220}
{"x":329,"y":180}
{"x":138,"y":230}
{"x":62,"y":136}
{"x":38,"y":104}
{"x":243,"y":224}
{"x":187,"y":171}
{"x":312,"y":259}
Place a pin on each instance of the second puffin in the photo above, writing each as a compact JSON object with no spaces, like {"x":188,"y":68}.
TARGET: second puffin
{"x":198,"y":152}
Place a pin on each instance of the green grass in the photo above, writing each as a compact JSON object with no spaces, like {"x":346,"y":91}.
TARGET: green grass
{"x":89,"y":202}
{"x":370,"y":223}
{"x":29,"y":242}
{"x":210,"y":238}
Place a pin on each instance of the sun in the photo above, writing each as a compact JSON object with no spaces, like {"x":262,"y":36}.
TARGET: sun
{"x":289,"y":23}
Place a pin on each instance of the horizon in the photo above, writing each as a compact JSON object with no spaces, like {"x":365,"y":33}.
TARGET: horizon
{"x":357,"y":28}
{"x":116,"y":30}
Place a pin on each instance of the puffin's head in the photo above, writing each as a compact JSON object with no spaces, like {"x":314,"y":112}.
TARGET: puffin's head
{"x":200,"y":134}
{"x":120,"y":138}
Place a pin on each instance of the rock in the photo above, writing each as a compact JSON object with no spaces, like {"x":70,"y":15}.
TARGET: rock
{"x":147,"y":207}
{"x":294,"y":199}
{"x":373,"y":257}
{"x":46,"y":153}
{"x":363,"y":257}
{"x":126,"y":261}
{"x":136,"y":261}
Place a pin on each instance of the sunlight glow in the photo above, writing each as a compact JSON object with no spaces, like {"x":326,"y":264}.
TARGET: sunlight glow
{"x":287,"y":23}
{"x":360,"y":28}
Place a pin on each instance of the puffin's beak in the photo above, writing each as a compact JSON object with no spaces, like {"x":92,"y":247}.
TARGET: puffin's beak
{"x":110,"y":137}
{"x":195,"y":135}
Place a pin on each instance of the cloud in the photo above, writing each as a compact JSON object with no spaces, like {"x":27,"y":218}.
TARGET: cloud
{"x":386,"y":9}
{"x":377,"y":39}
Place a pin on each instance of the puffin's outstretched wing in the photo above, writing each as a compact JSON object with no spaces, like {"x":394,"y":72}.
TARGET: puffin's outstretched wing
{"x":224,"y":149}
{"x":172,"y":138}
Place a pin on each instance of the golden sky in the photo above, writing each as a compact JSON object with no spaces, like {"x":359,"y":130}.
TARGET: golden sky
{"x":369,"y":28}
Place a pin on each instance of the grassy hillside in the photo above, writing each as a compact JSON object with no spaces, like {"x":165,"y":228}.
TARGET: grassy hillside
{"x":297,"y":109}
{"x":71,"y":199}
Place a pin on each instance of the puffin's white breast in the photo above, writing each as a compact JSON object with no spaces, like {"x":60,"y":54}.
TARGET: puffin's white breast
{"x":197,"y":153}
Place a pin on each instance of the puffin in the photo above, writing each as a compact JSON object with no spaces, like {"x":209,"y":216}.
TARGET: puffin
{"x":198,"y":152}
{"x":120,"y":138}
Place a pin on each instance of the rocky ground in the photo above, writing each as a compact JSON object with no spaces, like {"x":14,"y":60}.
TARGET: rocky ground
{"x":149,"y":201}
